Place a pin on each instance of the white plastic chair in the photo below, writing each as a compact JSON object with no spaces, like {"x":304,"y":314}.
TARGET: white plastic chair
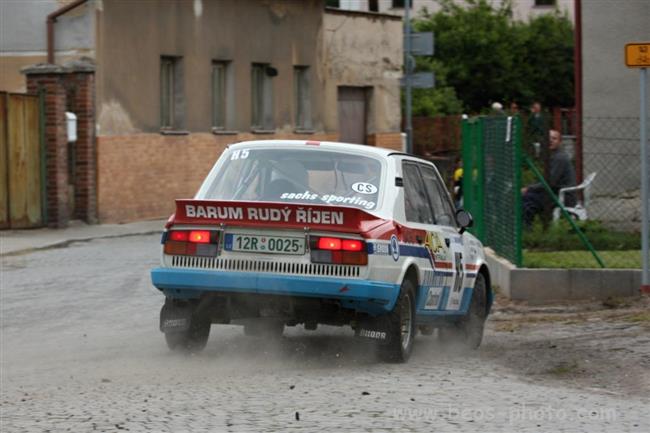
{"x":579,"y":211}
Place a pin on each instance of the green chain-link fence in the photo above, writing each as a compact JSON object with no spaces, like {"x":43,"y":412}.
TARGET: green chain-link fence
{"x":605,"y":229}
{"x":492,"y":182}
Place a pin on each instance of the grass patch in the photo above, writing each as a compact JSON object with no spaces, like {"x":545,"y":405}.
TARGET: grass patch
{"x":643,"y":317}
{"x":564,"y":368}
{"x":581,"y":259}
{"x":507,"y":327}
{"x":560,"y":236}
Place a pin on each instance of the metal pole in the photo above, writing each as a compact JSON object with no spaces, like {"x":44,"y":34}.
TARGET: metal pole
{"x":407,"y":67}
{"x":645,"y":282}
{"x":577,"y":77}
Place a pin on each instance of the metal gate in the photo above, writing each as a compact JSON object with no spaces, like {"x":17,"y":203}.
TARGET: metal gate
{"x":492,"y":182}
{"x":21,"y":161}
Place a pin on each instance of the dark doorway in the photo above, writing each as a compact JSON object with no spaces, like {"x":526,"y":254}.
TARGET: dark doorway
{"x":352,"y":114}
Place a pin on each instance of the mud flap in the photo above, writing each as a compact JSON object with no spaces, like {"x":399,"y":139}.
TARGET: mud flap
{"x":375,"y":329}
{"x":174,"y":318}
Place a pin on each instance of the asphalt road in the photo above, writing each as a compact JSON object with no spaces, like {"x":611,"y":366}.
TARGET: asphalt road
{"x":81,"y":352}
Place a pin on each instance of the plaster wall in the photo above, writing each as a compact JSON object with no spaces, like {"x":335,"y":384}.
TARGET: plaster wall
{"x":363,"y":50}
{"x":611,"y":95}
{"x":134,"y":35}
{"x":522,"y":10}
{"x":23,"y":39}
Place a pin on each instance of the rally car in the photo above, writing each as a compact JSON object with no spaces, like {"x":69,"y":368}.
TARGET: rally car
{"x":283,"y":233}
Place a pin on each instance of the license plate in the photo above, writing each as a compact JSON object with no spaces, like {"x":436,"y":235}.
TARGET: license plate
{"x":265,"y":244}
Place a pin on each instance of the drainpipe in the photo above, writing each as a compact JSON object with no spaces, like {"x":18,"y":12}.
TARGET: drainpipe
{"x":577,"y":61}
{"x":51,"y":19}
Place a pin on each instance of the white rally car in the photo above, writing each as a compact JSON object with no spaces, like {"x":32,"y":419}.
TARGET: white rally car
{"x":301,"y":232}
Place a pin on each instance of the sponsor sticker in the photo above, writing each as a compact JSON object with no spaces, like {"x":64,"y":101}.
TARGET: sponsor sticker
{"x":239,"y":154}
{"x":436,"y":247}
{"x":329,"y":199}
{"x":433,"y":298}
{"x":308,"y":215}
{"x":394,"y":247}
{"x":375,"y":335}
{"x":364,"y":188}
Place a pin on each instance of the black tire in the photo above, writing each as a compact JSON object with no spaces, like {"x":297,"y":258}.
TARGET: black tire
{"x":192,"y":340}
{"x":264,"y":328}
{"x":401,"y":326}
{"x":468,"y":332}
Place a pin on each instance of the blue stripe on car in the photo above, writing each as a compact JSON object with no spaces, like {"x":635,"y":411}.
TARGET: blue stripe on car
{"x":404,"y":250}
{"x":372,"y":297}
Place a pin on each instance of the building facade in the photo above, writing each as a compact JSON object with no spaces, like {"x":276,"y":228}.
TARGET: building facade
{"x":522,"y":10}
{"x":611,"y":107}
{"x":175,"y":82}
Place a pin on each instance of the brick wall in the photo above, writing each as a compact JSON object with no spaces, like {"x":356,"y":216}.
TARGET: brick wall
{"x":388,"y":140}
{"x":436,"y":135}
{"x":67,"y":88}
{"x":140,"y":175}
{"x":82,"y":103}
{"x":56,"y":151}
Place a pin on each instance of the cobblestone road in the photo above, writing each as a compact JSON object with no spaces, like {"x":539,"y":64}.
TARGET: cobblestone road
{"x":81,"y":352}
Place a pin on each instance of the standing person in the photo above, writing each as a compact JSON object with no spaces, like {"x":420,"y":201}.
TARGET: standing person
{"x":514,"y":108}
{"x":458,"y":183}
{"x":562,"y":175}
{"x":496,"y":109}
{"x":536,"y":127}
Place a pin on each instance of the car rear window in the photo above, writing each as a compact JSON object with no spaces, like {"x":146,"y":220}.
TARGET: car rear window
{"x":306,"y":176}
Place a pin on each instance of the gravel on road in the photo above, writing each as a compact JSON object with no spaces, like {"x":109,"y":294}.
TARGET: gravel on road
{"x":81,"y":351}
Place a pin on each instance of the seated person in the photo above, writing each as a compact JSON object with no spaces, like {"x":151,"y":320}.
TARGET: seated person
{"x":562,"y":175}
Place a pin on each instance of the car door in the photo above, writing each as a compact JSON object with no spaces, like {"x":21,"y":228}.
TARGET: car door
{"x":438,"y":274}
{"x":446,"y":244}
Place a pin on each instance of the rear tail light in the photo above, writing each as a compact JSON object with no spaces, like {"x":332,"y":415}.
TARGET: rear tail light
{"x":332,"y":244}
{"x":191,"y":242}
{"x":352,"y":245}
{"x":338,"y":251}
{"x":178,"y":235}
{"x":200,"y":236}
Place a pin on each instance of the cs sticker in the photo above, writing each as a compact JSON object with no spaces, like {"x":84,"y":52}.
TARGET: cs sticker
{"x":364,"y":188}
{"x":394,"y":247}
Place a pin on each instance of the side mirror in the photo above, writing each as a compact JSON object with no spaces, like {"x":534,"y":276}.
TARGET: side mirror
{"x":464,"y":220}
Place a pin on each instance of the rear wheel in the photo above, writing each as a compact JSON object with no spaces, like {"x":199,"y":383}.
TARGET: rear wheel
{"x":401,"y":326}
{"x":468,"y":332}
{"x":192,"y":339}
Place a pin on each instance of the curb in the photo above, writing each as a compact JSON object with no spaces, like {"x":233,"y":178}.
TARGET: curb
{"x":548,"y":285}
{"x":67,"y":242}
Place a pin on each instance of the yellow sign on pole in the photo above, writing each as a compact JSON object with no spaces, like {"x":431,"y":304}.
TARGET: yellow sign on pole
{"x":637,"y":55}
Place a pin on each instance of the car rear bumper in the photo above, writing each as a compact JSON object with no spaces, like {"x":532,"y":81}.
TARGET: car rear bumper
{"x":372,"y":297}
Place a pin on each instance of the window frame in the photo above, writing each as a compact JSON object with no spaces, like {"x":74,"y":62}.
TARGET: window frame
{"x":405,"y":163}
{"x":220,"y":96}
{"x":443,"y":193}
{"x":167,"y":92}
{"x":302,"y":98}
{"x":400,"y":4}
{"x":172,"y":95}
{"x":261,"y":98}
